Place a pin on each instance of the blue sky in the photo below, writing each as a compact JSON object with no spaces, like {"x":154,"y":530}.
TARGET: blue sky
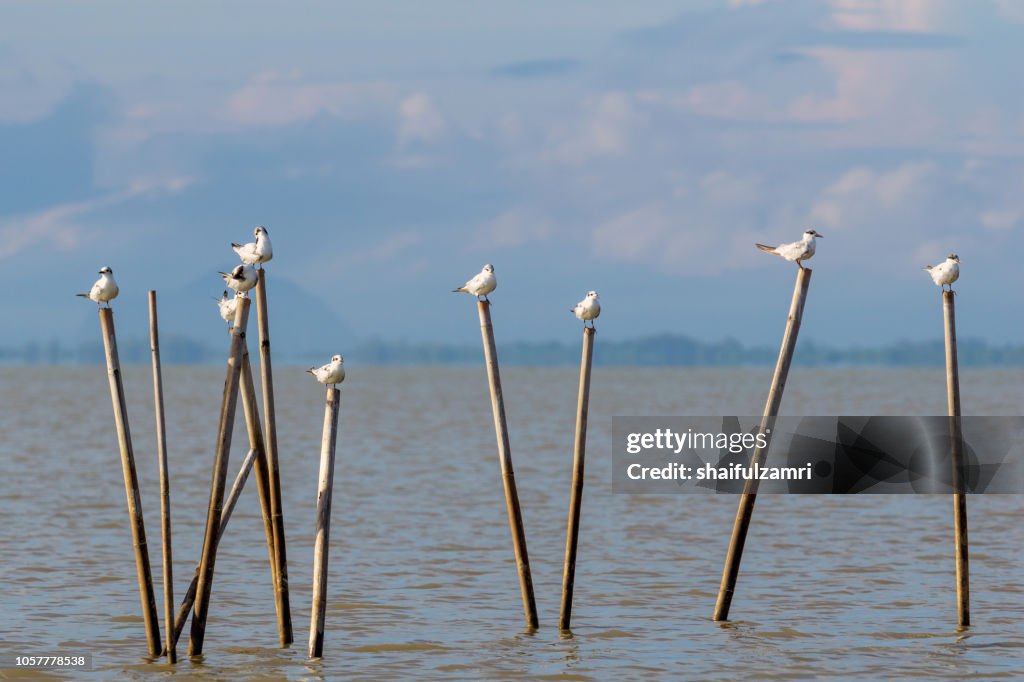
{"x":639,"y":149}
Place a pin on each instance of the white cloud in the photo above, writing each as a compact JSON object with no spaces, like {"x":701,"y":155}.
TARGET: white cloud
{"x":673,"y":241}
{"x":887,"y":15}
{"x":723,"y":187}
{"x":1001,"y":219}
{"x":726,"y":99}
{"x":515,"y":227}
{"x":419,"y":120}
{"x":861,"y":191}
{"x":605,"y":131}
{"x":58,"y":227}
{"x":273,"y":99}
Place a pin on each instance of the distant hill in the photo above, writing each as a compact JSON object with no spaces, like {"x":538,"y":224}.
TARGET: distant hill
{"x":289,"y":345}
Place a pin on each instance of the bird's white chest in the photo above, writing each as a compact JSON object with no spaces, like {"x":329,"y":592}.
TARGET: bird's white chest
{"x":104,"y":290}
{"x":588,"y":309}
{"x":483,"y":284}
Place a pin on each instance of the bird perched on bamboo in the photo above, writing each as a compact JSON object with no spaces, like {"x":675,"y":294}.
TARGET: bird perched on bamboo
{"x":227,"y":306}
{"x":332,"y":373}
{"x":588,"y":309}
{"x":255,"y":252}
{"x":483,"y":283}
{"x":946,"y":272}
{"x":241,"y":279}
{"x":104,"y":290}
{"x":795,"y":252}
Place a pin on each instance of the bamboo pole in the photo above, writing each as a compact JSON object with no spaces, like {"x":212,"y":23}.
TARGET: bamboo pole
{"x":256,"y":442}
{"x":131,"y":483}
{"x":225,"y":515}
{"x":229,"y":402}
{"x":322,"y":542}
{"x":515,"y":516}
{"x":576,"y":496}
{"x":165,"y":481}
{"x":270,"y":431}
{"x":963,"y":582}
{"x":745,"y":510}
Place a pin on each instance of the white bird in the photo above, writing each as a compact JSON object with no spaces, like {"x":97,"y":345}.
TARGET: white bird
{"x":259,"y":251}
{"x":588,"y":309}
{"x":330,"y":374}
{"x":227,"y":307}
{"x":483,"y":283}
{"x":794,"y":252}
{"x":104,"y":290}
{"x":241,"y":279}
{"x":946,"y":272}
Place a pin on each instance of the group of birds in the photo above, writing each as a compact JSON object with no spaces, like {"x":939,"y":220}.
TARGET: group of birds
{"x":241,"y":279}
{"x":254,"y":254}
{"x":484,"y":282}
{"x":943,"y":274}
{"x":244,"y":277}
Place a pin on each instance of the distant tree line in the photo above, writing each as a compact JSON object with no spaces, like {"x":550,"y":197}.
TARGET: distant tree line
{"x":652,"y":351}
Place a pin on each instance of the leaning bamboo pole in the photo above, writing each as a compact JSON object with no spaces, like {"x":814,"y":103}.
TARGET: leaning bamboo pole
{"x":576,"y":495}
{"x":229,"y":402}
{"x":273,"y":461}
{"x":745,"y":510}
{"x":165,"y":481}
{"x":131,"y":483}
{"x":515,"y":515}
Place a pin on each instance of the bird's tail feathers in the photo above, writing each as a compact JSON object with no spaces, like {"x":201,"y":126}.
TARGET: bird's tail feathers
{"x":765,"y":247}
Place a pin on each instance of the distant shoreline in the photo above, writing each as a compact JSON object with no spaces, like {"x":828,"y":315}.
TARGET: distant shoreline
{"x":665,"y":350}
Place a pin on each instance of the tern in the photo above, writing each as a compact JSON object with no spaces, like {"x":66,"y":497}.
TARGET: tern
{"x":257,"y":252}
{"x":332,"y":373}
{"x":483,"y":283}
{"x":227,"y":307}
{"x":795,"y":252}
{"x":946,"y":272}
{"x":104,"y":290}
{"x":241,"y":279}
{"x":588,"y":309}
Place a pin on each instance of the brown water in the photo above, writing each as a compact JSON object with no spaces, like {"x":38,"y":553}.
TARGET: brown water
{"x":422,"y":579}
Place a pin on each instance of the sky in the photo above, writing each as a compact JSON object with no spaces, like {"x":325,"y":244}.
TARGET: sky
{"x":391,"y":149}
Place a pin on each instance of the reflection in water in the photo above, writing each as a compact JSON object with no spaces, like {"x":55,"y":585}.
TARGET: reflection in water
{"x":422,"y":577}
